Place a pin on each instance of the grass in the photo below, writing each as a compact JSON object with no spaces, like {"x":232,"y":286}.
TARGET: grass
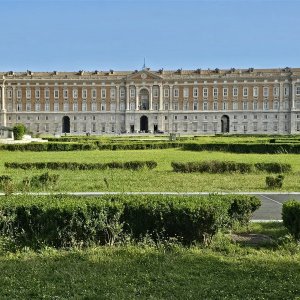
{"x":167,"y":271}
{"x":160,"y":179}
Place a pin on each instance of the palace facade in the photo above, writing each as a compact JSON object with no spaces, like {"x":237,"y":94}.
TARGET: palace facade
{"x":198,"y":102}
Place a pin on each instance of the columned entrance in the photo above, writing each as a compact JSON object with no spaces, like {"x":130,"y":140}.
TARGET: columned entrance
{"x":225,"y":124}
{"x":144,"y":124}
{"x":144,"y":99}
{"x":65,"y":124}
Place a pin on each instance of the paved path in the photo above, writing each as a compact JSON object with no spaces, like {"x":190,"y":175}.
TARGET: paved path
{"x":269,"y":210}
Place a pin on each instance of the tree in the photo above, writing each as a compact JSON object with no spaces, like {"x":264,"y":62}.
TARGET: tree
{"x":19,"y":131}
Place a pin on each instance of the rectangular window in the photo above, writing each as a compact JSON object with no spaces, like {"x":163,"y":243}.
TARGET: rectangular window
{"x":204,"y":127}
{"x":56,"y":106}
{"x":235,"y":92}
{"x":286,"y":91}
{"x":37,"y":107}
{"x":255,"y":126}
{"x":75,"y":106}
{"x":215,"y":105}
{"x":265,"y":126}
{"x":75,"y":93}
{"x":122,"y":93}
{"x":19,"y":94}
{"x":205,"y":106}
{"x":224,"y":106}
{"x":66,"y":106}
{"x":176,"y":92}
{"x":47,"y":93}
{"x":215,"y":92}
{"x":19,"y":107}
{"x":298,"y":126}
{"x":185,"y":92}
{"x":195,"y":106}
{"x":235,"y":105}
{"x":276,"y":105}
{"x":166,"y":92}
{"x":255,"y":91}
{"x":103,"y":93}
{"x":166,"y":106}
{"x":94,"y":106}
{"x":266,"y":105}
{"x":266,"y":91}
{"x":195,"y":92}
{"x":65,"y":93}
{"x":83,"y":106}
{"x":155,"y":92}
{"x":276,"y":91}
{"x":113,"y":107}
{"x":37,"y":94}
{"x":245,"y":105}
{"x":56,"y":93}
{"x":225,"y":92}
{"x":297,"y":90}
{"x":112,"y":93}
{"x":255,"y":105}
{"x":185,"y":106}
{"x":84,"y":93}
{"x":103,"y":106}
{"x":94,"y":93}
{"x":245,"y":92}
{"x":205,"y":92}
{"x":28,"y":93}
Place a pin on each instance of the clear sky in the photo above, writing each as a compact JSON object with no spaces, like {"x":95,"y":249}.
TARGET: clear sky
{"x":72,"y":35}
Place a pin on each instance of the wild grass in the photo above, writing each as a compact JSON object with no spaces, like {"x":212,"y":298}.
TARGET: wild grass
{"x":159,"y":179}
{"x":224,"y":270}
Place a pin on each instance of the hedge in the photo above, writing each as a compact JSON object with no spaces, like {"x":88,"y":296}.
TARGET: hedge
{"x":215,"y":166}
{"x":129,"y":165}
{"x":65,"y":221}
{"x":212,"y":166}
{"x":291,"y":217}
{"x":244,"y":148}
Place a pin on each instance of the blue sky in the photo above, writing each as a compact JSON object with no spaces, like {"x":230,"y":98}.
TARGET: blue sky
{"x":71,"y":35}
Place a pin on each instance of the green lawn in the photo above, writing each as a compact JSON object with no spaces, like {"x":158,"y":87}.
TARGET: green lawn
{"x":222,"y":271}
{"x":160,"y":179}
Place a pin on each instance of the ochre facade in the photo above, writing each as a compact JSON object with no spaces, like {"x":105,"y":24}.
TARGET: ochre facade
{"x":248,"y":101}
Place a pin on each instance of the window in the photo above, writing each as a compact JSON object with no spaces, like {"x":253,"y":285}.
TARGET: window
{"x":215,"y":106}
{"x":234,"y":127}
{"x":276,"y":91}
{"x":245,"y":92}
{"x":205,"y":92}
{"x":166,"y":118}
{"x":195,"y":92}
{"x":47,"y":106}
{"x":275,"y":128}
{"x":155,"y":92}
{"x":185,"y":127}
{"x":28,"y":93}
{"x":9,"y":93}
{"x":155,"y":106}
{"x":176,"y":106}
{"x":245,"y":117}
{"x":37,"y":107}
{"x":286,"y":105}
{"x":195,"y":126}
{"x":225,"y":92}
{"x":266,"y":105}
{"x":298,"y":90}
{"x":37,"y":94}
{"x":166,"y":106}
{"x":235,"y":92}
{"x":265,"y":126}
{"x":204,"y":127}
{"x":255,"y":105}
{"x":166,"y":92}
{"x":103,"y":93}
{"x":255,"y":117}
{"x":19,"y":107}
{"x":75,"y":106}
{"x":224,"y":106}
{"x":75,"y":93}
{"x":286,"y":91}
{"x":66,"y":106}
{"x":84,"y":93}
{"x":185,"y":106}
{"x":245,"y":105}
{"x":113,"y":107}
{"x":56,"y":106}
{"x":175,"y":117}
{"x":132,"y":106}
{"x":255,"y":91}
{"x":19,"y":93}
{"x":65,"y":93}
{"x":215,"y":92}
{"x":122,"y":93}
{"x":94,"y":106}
{"x":56,"y":93}
{"x":112,"y":93}
{"x":266,"y":91}
{"x":28,"y":106}
{"x":255,"y":126}
{"x":235,"y":105}
{"x":185,"y":92}
{"x":103,"y":106}
{"x":176,"y":92}
{"x":276,"y":105}
{"x":47,"y":93}
{"x":94,"y":93}
{"x":195,"y":106}
{"x":83,"y":106}
{"x":205,"y":106}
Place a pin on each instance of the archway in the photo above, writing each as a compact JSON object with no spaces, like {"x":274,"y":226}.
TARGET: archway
{"x":65,"y":124}
{"x":144,"y":124}
{"x":144,"y":99}
{"x":225,"y":124}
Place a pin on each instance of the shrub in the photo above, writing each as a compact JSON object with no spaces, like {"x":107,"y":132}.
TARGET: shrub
{"x":273,"y":167}
{"x":274,"y":182}
{"x":291,"y":217}
{"x":43,"y":180}
{"x":19,"y":131}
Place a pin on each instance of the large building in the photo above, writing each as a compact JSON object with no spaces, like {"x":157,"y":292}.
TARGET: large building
{"x":248,"y":101}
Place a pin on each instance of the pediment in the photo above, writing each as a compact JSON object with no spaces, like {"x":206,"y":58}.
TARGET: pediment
{"x":144,"y":75}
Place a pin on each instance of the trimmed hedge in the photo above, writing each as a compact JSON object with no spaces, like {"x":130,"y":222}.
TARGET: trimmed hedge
{"x":291,"y":217}
{"x":213,"y":166}
{"x":64,"y":221}
{"x":97,"y":145}
{"x":274,"y":182}
{"x":244,"y":148}
{"x":129,"y":165}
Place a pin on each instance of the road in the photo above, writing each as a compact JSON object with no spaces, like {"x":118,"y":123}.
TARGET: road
{"x":270,"y":209}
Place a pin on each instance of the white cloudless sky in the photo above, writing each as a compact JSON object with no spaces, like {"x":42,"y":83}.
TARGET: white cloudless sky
{"x":72,"y":35}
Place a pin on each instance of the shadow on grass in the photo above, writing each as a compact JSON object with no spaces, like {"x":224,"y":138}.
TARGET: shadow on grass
{"x":137,"y":273}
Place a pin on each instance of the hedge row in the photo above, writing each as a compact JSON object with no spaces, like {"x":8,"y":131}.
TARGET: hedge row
{"x":244,"y":148}
{"x":72,"y":146}
{"x":215,"y":166}
{"x":64,"y":221}
{"x":291,"y":217}
{"x":129,"y":165}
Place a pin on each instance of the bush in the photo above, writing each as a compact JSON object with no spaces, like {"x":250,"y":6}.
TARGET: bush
{"x":130,"y":165}
{"x":274,"y":182}
{"x":212,"y":167}
{"x":291,"y":217}
{"x":19,"y":131}
{"x":43,"y":180}
{"x":64,"y":221}
{"x":273,"y":167}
